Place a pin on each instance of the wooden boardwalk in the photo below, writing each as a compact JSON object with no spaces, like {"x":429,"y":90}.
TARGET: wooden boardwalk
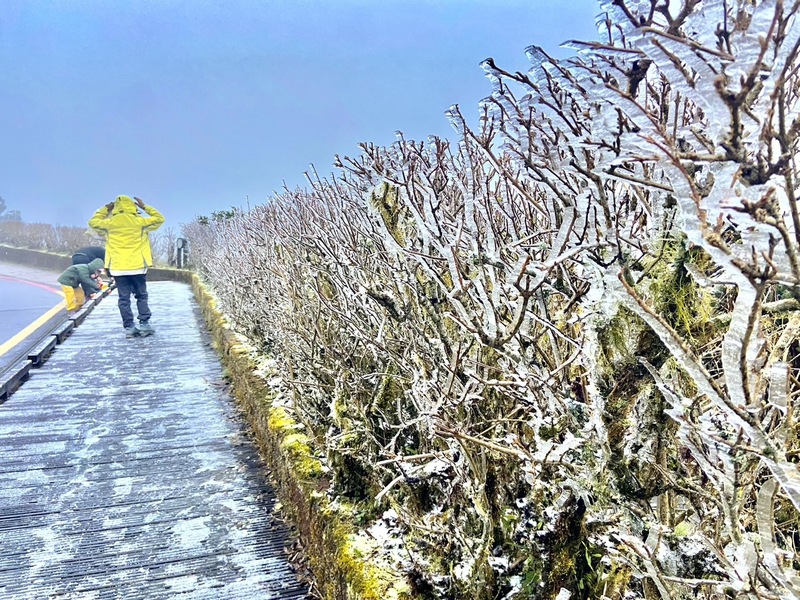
{"x":126,"y":472}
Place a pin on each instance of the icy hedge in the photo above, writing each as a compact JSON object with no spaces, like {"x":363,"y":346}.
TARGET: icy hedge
{"x":560,"y":359}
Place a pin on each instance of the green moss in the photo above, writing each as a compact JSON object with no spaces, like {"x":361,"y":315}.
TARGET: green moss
{"x":388,"y":391}
{"x":676,"y":296}
{"x":393,"y":213}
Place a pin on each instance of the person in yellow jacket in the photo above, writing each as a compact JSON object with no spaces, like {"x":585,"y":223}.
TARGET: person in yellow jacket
{"x":128,"y":255}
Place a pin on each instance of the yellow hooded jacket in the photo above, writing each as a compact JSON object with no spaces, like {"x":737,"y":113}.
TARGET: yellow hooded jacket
{"x":126,"y":231}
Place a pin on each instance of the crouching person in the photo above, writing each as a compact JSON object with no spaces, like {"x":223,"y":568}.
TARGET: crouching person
{"x":128,"y":255}
{"x":78,"y":281}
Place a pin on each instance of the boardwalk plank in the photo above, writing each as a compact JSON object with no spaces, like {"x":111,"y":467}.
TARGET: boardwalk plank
{"x":126,"y":472}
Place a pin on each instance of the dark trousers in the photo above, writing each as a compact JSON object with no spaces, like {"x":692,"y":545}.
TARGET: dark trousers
{"x":136,"y":285}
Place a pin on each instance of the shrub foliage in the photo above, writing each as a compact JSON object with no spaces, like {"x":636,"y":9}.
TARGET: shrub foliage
{"x":559,"y":358}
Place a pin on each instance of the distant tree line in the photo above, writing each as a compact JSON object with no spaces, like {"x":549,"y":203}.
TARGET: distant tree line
{"x":64,"y":239}
{"x":8,"y":215}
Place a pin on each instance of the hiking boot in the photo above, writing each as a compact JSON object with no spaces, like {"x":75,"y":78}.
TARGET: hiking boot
{"x":131,"y":332}
{"x":144,"y":329}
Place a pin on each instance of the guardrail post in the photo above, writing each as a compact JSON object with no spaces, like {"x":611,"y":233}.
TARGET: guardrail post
{"x":183,"y":248}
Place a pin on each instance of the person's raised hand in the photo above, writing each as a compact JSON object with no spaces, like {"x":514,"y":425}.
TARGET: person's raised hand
{"x":139,"y":201}
{"x":110,"y":205}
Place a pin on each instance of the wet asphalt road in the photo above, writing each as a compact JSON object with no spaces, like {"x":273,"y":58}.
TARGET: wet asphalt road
{"x":25,"y":295}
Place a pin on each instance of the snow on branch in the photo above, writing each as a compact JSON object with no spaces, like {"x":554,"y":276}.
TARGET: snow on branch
{"x":560,"y":356}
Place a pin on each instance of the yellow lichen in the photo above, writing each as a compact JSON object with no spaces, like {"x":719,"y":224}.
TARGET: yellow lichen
{"x":279,"y":420}
{"x":303,"y":462}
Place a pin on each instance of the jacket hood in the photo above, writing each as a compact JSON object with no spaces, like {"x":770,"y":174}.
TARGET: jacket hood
{"x":96,"y":265}
{"x":125,"y":204}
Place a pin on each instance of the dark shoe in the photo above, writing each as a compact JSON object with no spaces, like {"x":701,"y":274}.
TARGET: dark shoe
{"x":144,"y":329}
{"x":131,"y":332}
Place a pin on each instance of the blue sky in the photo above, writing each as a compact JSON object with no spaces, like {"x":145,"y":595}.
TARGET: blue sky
{"x":197,"y":105}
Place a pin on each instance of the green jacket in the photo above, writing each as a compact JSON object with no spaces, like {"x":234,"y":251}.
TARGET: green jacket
{"x":126,"y":231}
{"x":81,"y":275}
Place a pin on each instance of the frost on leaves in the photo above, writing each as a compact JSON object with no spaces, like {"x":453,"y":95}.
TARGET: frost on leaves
{"x":565,"y":350}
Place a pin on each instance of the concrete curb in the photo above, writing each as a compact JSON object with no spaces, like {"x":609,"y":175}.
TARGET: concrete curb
{"x":13,"y":377}
{"x":62,"y":331}
{"x":80,"y":316}
{"x":41,"y":351}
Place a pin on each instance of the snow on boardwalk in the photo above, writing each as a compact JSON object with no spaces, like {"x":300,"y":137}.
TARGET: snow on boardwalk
{"x":125,"y":471}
